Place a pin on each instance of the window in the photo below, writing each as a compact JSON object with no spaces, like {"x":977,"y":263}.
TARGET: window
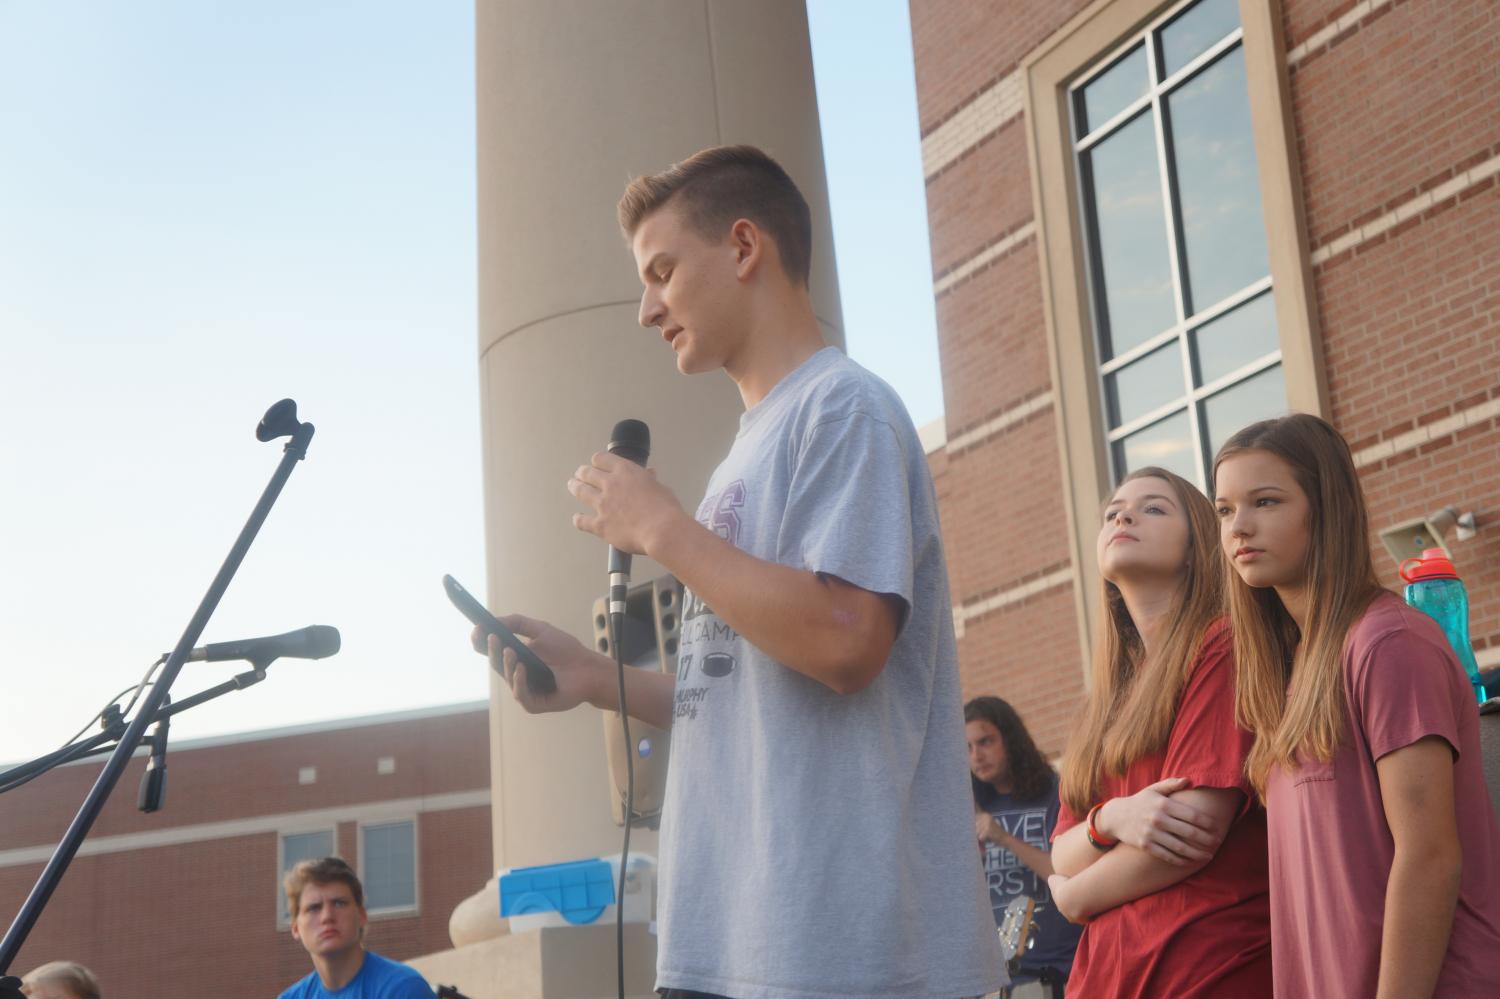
{"x":1179,"y":277}
{"x":388,"y":863}
{"x":295,"y":848}
{"x":1160,"y":132}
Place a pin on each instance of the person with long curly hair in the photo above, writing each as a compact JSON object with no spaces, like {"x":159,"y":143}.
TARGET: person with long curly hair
{"x":1015,"y":811}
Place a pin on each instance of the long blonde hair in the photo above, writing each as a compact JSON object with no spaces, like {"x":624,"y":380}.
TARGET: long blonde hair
{"x":1133,"y":699}
{"x":1289,"y":691}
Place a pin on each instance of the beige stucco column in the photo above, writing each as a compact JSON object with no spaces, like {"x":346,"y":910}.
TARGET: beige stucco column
{"x":576,"y":97}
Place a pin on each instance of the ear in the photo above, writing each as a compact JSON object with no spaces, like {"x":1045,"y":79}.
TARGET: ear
{"x":749,"y":246}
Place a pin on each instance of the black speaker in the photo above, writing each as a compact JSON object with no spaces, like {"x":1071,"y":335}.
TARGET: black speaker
{"x":653,"y":628}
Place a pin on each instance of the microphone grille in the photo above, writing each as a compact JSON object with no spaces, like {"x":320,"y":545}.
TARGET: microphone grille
{"x":323,"y":641}
{"x":631,"y":439}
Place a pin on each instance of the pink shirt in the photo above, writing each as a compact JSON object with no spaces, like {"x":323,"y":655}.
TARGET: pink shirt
{"x":1331,"y":849}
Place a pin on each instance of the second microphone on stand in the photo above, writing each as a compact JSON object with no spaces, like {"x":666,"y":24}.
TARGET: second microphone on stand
{"x":316,"y":641}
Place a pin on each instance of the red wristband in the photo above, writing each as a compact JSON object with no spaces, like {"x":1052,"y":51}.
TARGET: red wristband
{"x":1097,"y":839}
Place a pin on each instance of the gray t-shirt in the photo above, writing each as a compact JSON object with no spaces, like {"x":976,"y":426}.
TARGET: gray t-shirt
{"x":814,"y":844}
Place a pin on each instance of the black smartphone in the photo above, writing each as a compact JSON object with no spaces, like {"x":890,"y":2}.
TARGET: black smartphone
{"x":538,"y":674}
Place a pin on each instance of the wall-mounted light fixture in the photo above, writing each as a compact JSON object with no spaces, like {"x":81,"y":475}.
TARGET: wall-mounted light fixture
{"x":1410,"y":538}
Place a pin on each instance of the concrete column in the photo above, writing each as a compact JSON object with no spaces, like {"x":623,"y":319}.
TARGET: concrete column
{"x":576,"y":97}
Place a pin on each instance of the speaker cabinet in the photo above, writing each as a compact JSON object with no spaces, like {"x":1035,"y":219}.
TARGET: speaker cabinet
{"x":653,"y":629}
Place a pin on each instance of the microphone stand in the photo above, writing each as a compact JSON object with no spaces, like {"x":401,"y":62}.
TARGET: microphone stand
{"x":18,"y":775}
{"x":24,"y":772}
{"x":280,"y":421}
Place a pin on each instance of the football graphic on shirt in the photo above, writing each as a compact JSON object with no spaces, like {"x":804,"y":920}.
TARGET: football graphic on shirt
{"x":717,"y":664}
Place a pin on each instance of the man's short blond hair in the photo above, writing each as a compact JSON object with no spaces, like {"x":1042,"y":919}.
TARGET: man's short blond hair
{"x":715,"y":187}
{"x":322,"y":871}
{"x":68,"y":975}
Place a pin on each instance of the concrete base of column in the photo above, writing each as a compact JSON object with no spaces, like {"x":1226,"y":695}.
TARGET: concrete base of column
{"x":477,"y":918}
{"x":560,"y":962}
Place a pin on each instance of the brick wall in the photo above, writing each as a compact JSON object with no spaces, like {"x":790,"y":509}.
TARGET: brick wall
{"x":992,"y":342}
{"x":984,"y":193}
{"x":1391,"y":107}
{"x":1028,"y":653}
{"x":1001,"y":497}
{"x":188,"y":920}
{"x":1396,"y":105}
{"x":962,"y":46}
{"x":1391,"y":99}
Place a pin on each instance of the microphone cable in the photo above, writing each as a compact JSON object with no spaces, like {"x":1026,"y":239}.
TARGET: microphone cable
{"x":617,"y":625}
{"x":631,"y":440}
{"x":135,"y":690}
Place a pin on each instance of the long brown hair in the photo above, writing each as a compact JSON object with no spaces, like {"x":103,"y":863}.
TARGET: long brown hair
{"x":1289,"y":691}
{"x":1030,"y":773}
{"x":1133,"y":699}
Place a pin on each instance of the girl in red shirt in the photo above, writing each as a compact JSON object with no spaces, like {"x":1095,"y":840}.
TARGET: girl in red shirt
{"x":1159,"y":849}
{"x":1384,"y":850}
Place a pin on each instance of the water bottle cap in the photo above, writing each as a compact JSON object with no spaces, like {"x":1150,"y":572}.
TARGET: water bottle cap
{"x":1434,"y":564}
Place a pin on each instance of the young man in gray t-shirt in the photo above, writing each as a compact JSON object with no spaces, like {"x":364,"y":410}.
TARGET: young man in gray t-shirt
{"x":817,"y":837}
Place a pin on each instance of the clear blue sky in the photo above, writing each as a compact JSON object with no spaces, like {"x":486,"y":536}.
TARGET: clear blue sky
{"x":207,"y":206}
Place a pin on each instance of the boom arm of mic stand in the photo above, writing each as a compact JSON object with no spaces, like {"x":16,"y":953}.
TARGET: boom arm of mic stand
{"x":247,"y":679}
{"x":78,"y":829}
{"x":17,"y":776}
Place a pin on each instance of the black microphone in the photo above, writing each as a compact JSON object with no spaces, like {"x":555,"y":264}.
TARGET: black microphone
{"x":312,"y":642}
{"x":631,"y":440}
{"x":153,"y":792}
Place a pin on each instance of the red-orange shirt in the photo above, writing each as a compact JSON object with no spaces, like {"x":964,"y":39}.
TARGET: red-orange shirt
{"x":1208,"y":935}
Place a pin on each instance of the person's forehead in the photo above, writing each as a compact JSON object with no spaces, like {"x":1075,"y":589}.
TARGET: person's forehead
{"x":1260,"y":466}
{"x":314,"y":892}
{"x":1146,"y":486}
{"x":659,"y":230}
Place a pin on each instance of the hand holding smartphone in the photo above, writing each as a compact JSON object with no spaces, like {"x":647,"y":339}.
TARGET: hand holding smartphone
{"x":538,"y":674}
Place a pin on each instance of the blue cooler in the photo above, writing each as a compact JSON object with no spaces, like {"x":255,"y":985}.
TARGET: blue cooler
{"x":575,"y":893}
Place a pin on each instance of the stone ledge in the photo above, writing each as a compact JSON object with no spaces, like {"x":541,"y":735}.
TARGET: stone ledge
{"x":556,"y":962}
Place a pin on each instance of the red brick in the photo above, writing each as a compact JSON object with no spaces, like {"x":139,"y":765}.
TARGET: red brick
{"x":198,"y":919}
{"x":1410,"y":320}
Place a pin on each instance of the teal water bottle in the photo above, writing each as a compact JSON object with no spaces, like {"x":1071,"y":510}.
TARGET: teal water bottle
{"x":1433,"y":587}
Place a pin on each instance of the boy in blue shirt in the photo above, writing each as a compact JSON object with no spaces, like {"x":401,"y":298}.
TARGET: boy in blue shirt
{"x":327,"y":906}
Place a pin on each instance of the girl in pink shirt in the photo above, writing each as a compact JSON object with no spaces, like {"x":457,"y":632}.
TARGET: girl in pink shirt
{"x":1384,"y":849}
{"x":1158,"y":848}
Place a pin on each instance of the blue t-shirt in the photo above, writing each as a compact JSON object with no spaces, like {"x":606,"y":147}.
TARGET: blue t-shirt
{"x":378,"y":978}
{"x":1053,"y":938}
